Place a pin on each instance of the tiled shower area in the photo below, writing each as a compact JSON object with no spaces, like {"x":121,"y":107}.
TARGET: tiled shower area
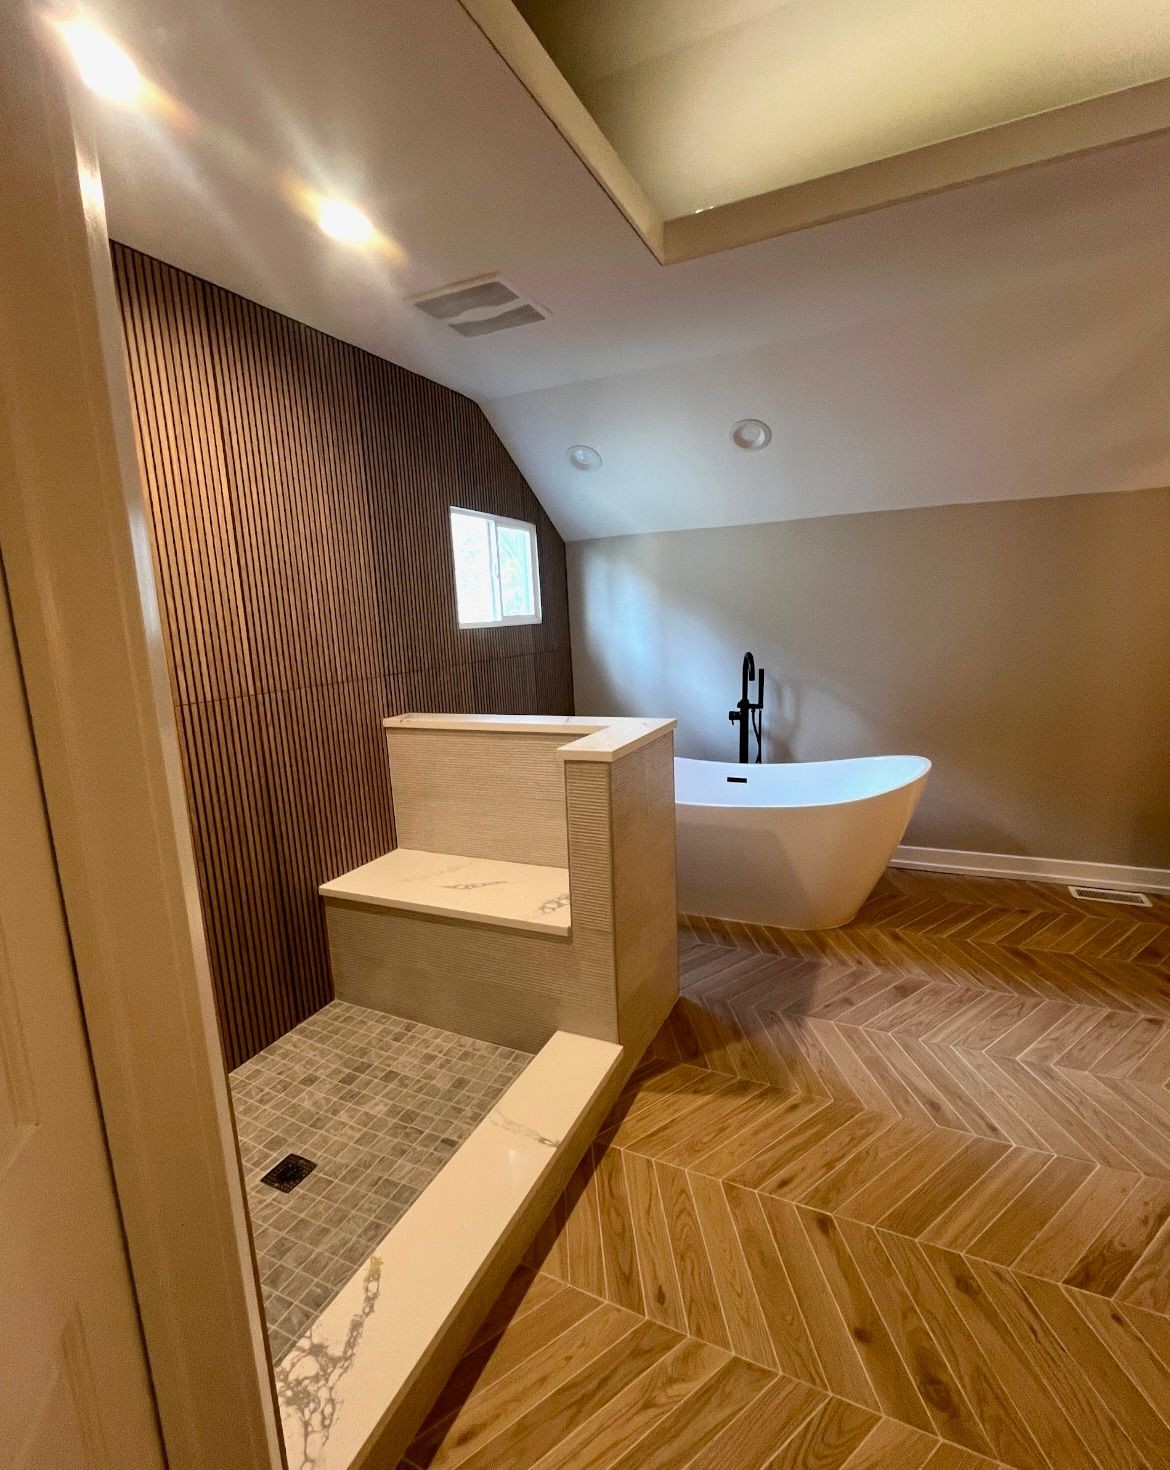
{"x":377,"y":1105}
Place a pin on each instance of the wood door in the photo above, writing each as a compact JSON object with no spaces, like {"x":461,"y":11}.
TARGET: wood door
{"x":74,"y":1387}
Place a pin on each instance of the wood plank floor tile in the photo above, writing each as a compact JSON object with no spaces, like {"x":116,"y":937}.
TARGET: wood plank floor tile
{"x":787,"y":1111}
{"x":700,"y":1298}
{"x":1027,"y":1378}
{"x":945,"y":1400}
{"x":1148,"y":1284}
{"x":621,"y":1422}
{"x":896,"y":1393}
{"x":997,"y":1190}
{"x":827,"y":1440}
{"x":1154,"y":1067}
{"x":1116,"y":1035}
{"x":1034,"y":1023}
{"x":834,"y":1343}
{"x":836,"y":1188}
{"x":950,"y":1457}
{"x":505,"y":1399}
{"x":910,"y":1171}
{"x":1071,"y":1383}
{"x":1140,"y":1419}
{"x":679,"y":1139}
{"x":525,"y":1291}
{"x":526,"y":1336}
{"x":582,"y":1229}
{"x":801,"y":1174}
{"x":853,"y":1078}
{"x":671,"y":1107}
{"x":1017,"y":1225}
{"x":1154,"y":1329}
{"x":699,"y":1418}
{"x":661,"y":1292}
{"x":891,"y":1444}
{"x":790,"y":1333}
{"x":753,"y":1118}
{"x":527,"y":1439}
{"x":772,"y":1162}
{"x":618,"y":1246}
{"x":893,"y":1195}
{"x":1063,"y":1241}
{"x":922,"y":1206}
{"x":969,"y":1355}
{"x":746,"y":1325}
{"x":750,"y":1441}
{"x":1122,"y":1242}
{"x":1126,"y":1337}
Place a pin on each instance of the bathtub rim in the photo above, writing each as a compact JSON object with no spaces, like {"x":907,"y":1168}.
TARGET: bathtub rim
{"x":802,"y":806}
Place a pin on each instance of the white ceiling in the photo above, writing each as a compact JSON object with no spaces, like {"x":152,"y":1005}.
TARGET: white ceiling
{"x":1008,"y":339}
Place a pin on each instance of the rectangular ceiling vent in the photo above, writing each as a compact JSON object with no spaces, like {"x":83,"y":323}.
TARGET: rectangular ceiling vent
{"x":1111,"y":895}
{"x":477,"y":308}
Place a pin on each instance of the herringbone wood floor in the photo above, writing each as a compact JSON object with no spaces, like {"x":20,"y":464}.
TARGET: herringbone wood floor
{"x":895,"y":1195}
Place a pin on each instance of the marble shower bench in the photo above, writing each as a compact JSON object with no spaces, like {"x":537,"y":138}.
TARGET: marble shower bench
{"x":533,"y":888}
{"x":530,"y":902}
{"x":481,"y":890}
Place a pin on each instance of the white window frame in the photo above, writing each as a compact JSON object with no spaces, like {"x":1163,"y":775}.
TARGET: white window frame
{"x":494,"y":521}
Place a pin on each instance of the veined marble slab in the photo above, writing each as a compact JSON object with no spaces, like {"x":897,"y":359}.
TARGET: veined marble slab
{"x":514,"y":895}
{"x":595,"y":739}
{"x":341,"y":1383}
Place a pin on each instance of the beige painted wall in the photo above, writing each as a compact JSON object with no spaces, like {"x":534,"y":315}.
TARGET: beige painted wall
{"x":1024,"y":646}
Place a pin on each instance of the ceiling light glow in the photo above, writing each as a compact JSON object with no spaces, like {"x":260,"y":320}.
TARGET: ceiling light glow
{"x":583,"y":457}
{"x":344,"y":222}
{"x":105,"y":68}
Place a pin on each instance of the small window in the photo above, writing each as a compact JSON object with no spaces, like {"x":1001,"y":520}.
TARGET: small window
{"x":497,"y":579}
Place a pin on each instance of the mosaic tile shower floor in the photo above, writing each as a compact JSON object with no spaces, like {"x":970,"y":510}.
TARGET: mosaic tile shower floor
{"x":379,"y":1104}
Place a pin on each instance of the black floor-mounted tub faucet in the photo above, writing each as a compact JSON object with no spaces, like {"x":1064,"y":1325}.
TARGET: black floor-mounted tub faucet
{"x":747,"y":715}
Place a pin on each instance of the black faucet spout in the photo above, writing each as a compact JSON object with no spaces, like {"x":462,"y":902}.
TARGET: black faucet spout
{"x":747,"y":673}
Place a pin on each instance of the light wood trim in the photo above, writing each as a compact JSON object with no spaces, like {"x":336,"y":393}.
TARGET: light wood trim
{"x":72,"y":533}
{"x":1081,"y":127}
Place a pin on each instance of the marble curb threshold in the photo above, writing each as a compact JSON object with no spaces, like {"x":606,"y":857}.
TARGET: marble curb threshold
{"x":356,"y":1384}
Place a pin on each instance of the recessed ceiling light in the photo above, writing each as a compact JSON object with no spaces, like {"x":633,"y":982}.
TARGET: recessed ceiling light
{"x":583,"y":457}
{"x":105,"y":68}
{"x":344,"y":222}
{"x":751,"y":434}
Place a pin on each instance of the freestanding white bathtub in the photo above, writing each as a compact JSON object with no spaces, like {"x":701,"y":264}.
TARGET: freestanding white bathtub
{"x":797,"y":846}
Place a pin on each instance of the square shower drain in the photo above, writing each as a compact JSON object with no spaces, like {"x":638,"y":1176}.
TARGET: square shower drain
{"x":286,"y":1175}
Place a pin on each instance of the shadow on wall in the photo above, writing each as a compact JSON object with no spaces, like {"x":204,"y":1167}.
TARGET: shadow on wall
{"x":1023,"y":646}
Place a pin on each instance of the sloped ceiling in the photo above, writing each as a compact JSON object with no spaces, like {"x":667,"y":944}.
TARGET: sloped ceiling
{"x":1005,"y":341}
{"x":1008,"y":339}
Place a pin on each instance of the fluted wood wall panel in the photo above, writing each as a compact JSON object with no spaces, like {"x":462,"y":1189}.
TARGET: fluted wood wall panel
{"x":298,"y":491}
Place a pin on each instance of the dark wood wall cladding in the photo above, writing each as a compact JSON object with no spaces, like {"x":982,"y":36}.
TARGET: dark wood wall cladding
{"x":299,"y":491}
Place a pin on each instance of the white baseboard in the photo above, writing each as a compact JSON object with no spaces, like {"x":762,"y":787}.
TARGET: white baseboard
{"x":1039,"y":870}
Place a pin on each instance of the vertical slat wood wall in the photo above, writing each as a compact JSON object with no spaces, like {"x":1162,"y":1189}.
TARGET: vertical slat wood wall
{"x":299,"y":490}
